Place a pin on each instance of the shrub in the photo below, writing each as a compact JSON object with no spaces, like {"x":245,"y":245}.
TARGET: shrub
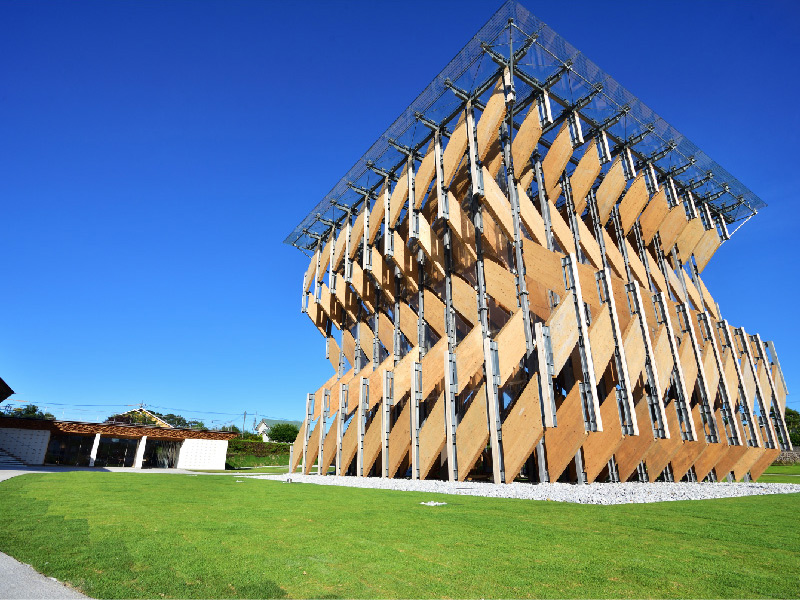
{"x":238,"y":446}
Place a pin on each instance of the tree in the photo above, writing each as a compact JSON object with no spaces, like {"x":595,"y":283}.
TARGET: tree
{"x":283,"y":432}
{"x":793,"y":426}
{"x":142,"y":418}
{"x":29,"y":411}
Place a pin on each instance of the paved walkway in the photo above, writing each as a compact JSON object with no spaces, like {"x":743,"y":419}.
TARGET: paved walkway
{"x":18,"y":580}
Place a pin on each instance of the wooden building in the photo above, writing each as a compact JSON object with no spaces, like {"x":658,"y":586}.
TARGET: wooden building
{"x":508,"y":285}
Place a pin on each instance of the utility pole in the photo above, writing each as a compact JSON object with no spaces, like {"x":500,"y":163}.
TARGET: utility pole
{"x":244,"y":418}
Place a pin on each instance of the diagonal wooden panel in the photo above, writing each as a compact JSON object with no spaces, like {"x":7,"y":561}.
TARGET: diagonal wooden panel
{"x":433,"y":369}
{"x":454,"y":151}
{"x":349,"y":347}
{"x":432,"y":438}
{"x":731,"y":456}
{"x":313,"y":447}
{"x":329,"y":447}
{"x":325,"y":257}
{"x":562,"y":442}
{"x":522,"y":429}
{"x":465,"y":300}
{"x":706,"y":247}
{"x":663,"y":358}
{"x":398,"y":197}
{"x":688,"y":238}
{"x":469,"y":357}
{"x":524,"y":144}
{"x":555,"y":160}
{"x":748,"y":459}
{"x":376,"y":216}
{"x":634,"y":349}
{"x":761,"y":464}
{"x":582,"y":178}
{"x":349,"y":444}
{"x":372,"y":442}
{"x":682,"y":461}
{"x":601,"y":340}
{"x":400,"y":440}
{"x":472,"y":434}
{"x":531,"y":219}
{"x":297,"y":448}
{"x":488,"y":127}
{"x":601,"y":445}
{"x":614,"y":256}
{"x":653,"y":216}
{"x":543,"y":266}
{"x":712,"y":455}
{"x":634,"y":448}
{"x":671,"y":227}
{"x":497,"y":204}
{"x":610,"y":189}
{"x":356,"y":234}
{"x":564,"y":331}
{"x":664,"y":450}
{"x":500,"y":285}
{"x":633,"y":202}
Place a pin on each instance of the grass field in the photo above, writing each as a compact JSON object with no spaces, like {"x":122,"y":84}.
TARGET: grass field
{"x":134,"y":535}
{"x":781,"y":474}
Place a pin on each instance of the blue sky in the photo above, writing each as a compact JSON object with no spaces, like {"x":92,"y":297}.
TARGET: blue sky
{"x":154,"y":155}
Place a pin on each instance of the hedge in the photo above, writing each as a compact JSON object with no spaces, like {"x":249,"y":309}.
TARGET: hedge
{"x":238,"y":446}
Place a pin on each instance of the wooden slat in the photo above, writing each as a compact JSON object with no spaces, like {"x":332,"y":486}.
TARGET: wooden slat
{"x":664,"y":450}
{"x":472,"y":433}
{"x":748,"y":459}
{"x":313,"y":447}
{"x":497,"y":204}
{"x":377,"y":215}
{"x":531,"y":219}
{"x":688,"y":238}
{"x":562,"y":442}
{"x":464,"y":300}
{"x":634,"y":448}
{"x":601,"y":340}
{"x":398,"y":198}
{"x":329,"y":447}
{"x":454,"y":150}
{"x":633,"y":202}
{"x":356,"y":235}
{"x":765,"y":461}
{"x":349,"y":347}
{"x":500,"y":285}
{"x":601,"y":445}
{"x":349,"y":444}
{"x":488,"y":127}
{"x":399,"y":441}
{"x":372,"y":442}
{"x":325,"y":257}
{"x":671,"y":227}
{"x":653,"y":216}
{"x":522,"y":429}
{"x":555,"y":160}
{"x":432,"y":438}
{"x":524,"y":144}
{"x":706,"y":247}
{"x":609,"y":190}
{"x":583,"y":176}
{"x":333,"y":353}
{"x":469,"y":357}
{"x":564,"y":331}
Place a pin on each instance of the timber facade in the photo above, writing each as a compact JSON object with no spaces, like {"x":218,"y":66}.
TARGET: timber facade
{"x":508,"y":285}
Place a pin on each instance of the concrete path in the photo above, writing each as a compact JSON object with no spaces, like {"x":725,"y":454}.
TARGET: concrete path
{"x":18,"y":580}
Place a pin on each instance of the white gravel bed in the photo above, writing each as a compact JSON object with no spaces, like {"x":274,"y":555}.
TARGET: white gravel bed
{"x":596,"y":493}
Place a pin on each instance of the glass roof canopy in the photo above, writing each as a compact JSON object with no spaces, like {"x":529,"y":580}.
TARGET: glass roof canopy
{"x":549,"y":62}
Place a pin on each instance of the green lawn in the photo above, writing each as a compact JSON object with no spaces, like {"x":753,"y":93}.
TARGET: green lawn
{"x":781,"y":474}
{"x":137,"y":535}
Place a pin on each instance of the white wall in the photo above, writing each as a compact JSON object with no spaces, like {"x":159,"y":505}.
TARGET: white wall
{"x":29,"y":445}
{"x":203,"y":454}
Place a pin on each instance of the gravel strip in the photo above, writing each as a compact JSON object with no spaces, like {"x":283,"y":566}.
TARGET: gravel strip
{"x":596,"y":493}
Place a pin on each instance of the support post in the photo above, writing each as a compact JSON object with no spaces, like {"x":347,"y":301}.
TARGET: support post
{"x":386,"y":424}
{"x":343,"y":402}
{"x":416,"y":401}
{"x":95,"y":446}
{"x":139,"y":457}
{"x":307,"y":431}
{"x":363,"y":400}
{"x":323,"y":422}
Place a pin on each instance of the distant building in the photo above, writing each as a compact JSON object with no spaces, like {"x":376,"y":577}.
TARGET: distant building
{"x":70,"y":443}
